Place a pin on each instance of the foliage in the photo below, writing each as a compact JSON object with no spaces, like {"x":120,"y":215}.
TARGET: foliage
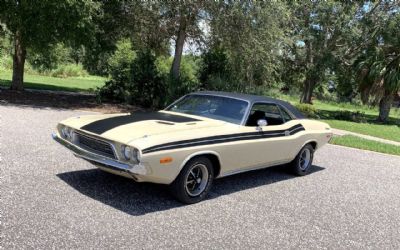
{"x":69,"y":70}
{"x":188,"y":80}
{"x":347,"y":115}
{"x":38,"y":25}
{"x":141,"y":84}
{"x":44,"y":23}
{"x":119,"y":64}
{"x":307,"y":109}
{"x":180,"y":22}
{"x":320,"y":30}
{"x":252,"y":39}
{"x":145,"y":79}
{"x":116,"y":18}
{"x":378,"y":66}
{"x":215,"y":71}
{"x":148,"y":88}
{"x":6,"y":62}
{"x":5,"y":43}
{"x":57,"y":54}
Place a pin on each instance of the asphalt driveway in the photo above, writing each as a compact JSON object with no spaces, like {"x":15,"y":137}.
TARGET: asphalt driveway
{"x":50,"y":199}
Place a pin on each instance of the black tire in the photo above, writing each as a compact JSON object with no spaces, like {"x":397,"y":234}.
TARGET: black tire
{"x":182,"y":189}
{"x":298,"y":165}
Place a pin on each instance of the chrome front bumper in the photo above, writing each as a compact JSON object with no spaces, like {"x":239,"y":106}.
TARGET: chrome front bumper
{"x":137,"y":169}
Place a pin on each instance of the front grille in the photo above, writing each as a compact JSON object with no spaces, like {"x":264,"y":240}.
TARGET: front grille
{"x":94,"y":145}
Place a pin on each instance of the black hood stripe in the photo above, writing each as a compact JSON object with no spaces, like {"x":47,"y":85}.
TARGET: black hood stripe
{"x":102,"y":126}
{"x":225,"y":138}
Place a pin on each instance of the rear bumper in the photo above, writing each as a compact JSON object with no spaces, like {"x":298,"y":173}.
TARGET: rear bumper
{"x":115,"y":165}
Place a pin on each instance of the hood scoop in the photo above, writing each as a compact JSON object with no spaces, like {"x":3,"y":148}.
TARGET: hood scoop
{"x":165,"y":122}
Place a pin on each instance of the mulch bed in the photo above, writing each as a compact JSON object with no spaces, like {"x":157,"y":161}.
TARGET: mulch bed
{"x":74,"y":101}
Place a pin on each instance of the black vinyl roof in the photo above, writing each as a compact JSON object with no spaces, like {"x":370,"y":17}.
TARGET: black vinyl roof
{"x":254,"y":99}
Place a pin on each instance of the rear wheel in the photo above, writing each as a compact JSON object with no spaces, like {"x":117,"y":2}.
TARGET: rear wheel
{"x":301,"y":165}
{"x":194,"y":181}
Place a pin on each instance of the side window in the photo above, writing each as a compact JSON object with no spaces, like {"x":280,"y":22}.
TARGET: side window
{"x":285,"y":115}
{"x":268,"y":111}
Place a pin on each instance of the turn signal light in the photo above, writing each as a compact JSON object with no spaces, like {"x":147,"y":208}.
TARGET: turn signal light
{"x":165,"y":160}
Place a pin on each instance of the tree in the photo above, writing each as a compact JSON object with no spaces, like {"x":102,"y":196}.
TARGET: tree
{"x":181,"y":20}
{"x":38,"y":24}
{"x":320,"y":32}
{"x":378,"y":66}
{"x":251,"y":34}
{"x":151,"y":25}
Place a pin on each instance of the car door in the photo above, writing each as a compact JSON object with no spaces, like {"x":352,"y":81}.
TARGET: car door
{"x":273,"y":144}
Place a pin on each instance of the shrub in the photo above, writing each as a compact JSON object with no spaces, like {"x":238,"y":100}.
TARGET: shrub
{"x":215,"y":72}
{"x":308,"y":110}
{"x":188,"y":81}
{"x":347,"y":115}
{"x":6,"y":62}
{"x":147,"y":86}
{"x":138,"y":82}
{"x":120,"y":71}
{"x":141,"y":78}
{"x":120,"y":62}
{"x":69,"y":70}
{"x":50,"y":59}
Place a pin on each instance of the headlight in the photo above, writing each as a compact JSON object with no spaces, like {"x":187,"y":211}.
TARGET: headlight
{"x":130,"y":153}
{"x":67,"y":133}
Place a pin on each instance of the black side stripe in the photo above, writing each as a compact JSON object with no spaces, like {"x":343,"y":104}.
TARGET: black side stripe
{"x":225,"y":138}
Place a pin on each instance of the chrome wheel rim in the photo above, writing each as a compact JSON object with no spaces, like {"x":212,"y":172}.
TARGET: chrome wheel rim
{"x":305,"y":158}
{"x":196,"y":180}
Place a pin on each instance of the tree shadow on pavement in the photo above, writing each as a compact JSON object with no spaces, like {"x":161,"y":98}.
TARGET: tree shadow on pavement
{"x":142,"y":198}
{"x":61,"y":101}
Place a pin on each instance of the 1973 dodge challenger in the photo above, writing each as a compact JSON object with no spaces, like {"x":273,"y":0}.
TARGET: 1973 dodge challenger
{"x":199,"y":137}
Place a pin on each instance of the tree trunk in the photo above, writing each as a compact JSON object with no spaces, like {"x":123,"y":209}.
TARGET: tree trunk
{"x":179,"y":42}
{"x":308,"y":87}
{"x":309,"y":82}
{"x":364,"y":94}
{"x":384,"y":106}
{"x":18,"y":63}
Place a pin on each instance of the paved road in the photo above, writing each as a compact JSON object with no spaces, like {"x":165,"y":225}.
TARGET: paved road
{"x":49,"y":199}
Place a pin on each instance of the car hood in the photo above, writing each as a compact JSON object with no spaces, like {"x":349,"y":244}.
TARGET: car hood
{"x":125,"y":128}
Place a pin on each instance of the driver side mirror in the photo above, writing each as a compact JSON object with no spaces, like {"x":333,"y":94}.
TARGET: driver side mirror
{"x":262,"y":123}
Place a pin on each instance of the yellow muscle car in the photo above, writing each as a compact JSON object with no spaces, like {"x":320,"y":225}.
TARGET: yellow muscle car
{"x":201,"y":136}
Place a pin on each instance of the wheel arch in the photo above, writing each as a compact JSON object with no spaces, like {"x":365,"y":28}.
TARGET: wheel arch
{"x":313,"y":143}
{"x":213,"y":156}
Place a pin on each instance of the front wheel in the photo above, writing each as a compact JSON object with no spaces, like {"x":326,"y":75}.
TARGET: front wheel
{"x":194,"y":181}
{"x":301,"y":165}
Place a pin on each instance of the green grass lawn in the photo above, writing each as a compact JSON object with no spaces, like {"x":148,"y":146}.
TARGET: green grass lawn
{"x":367,"y":115}
{"x":329,"y":112}
{"x":389,"y":132}
{"x":361,"y":143}
{"x":73,"y":84}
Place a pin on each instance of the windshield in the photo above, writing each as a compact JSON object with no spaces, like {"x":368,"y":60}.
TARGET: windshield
{"x":215,"y":107}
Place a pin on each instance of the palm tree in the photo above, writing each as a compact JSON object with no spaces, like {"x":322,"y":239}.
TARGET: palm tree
{"x":378,"y":67}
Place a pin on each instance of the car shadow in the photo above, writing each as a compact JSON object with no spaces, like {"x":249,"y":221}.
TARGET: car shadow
{"x":142,"y":198}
